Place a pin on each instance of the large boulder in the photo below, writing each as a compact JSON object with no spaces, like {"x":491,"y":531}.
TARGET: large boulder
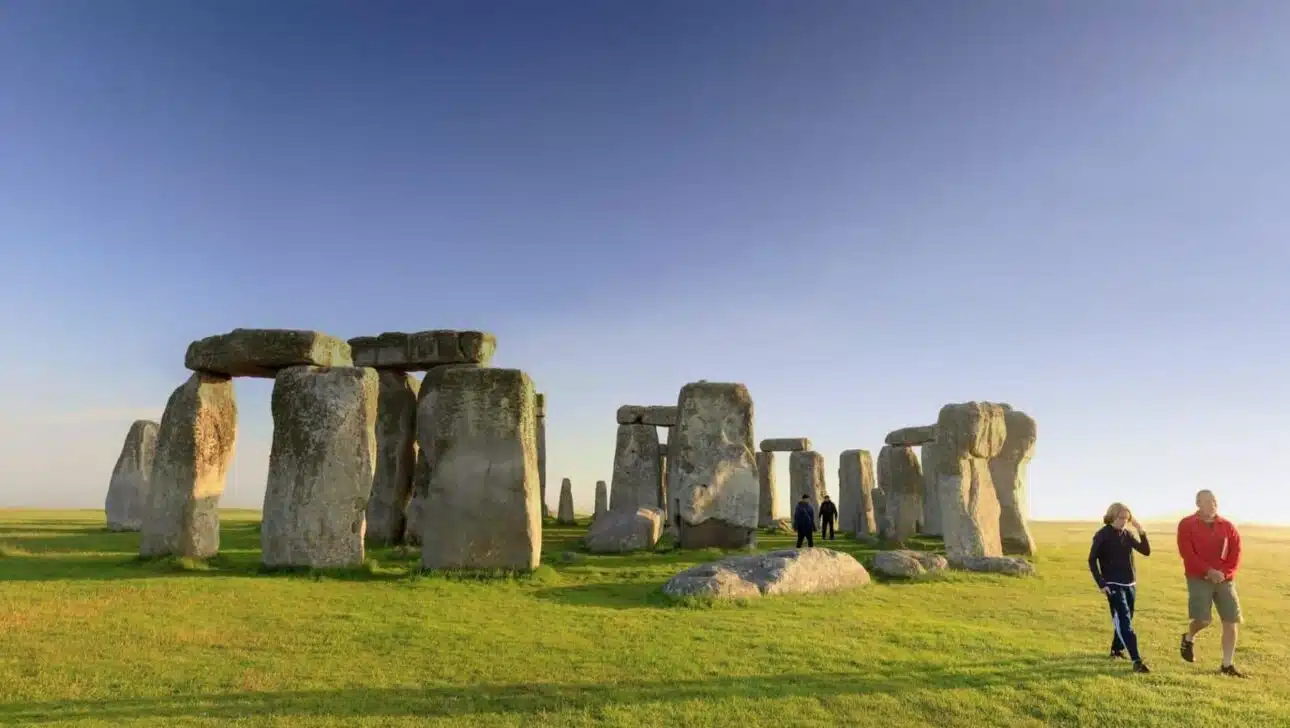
{"x":263,"y":352}
{"x":564,"y":514}
{"x":855,"y":494}
{"x":617,"y":532}
{"x":806,"y":477}
{"x":968,"y":435}
{"x":1007,"y":565}
{"x":653,"y":415}
{"x":423,"y":350}
{"x":906,"y":564}
{"x":636,"y":481}
{"x":195,"y":443}
{"x":790,"y":571}
{"x":912,"y":436}
{"x":477,"y":427}
{"x":127,"y":496}
{"x":768,"y":495}
{"x":396,"y":456}
{"x":931,"y":491}
{"x":903,"y":488}
{"x":786,"y":444}
{"x":321,"y":466}
{"x":1008,"y":471}
{"x":712,"y":472}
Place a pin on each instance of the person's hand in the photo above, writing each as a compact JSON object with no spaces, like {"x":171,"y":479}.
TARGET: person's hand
{"x":1136,"y":526}
{"x":1214,"y":575}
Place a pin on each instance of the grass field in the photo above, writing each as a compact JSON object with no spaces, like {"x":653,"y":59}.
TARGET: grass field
{"x":89,"y":635}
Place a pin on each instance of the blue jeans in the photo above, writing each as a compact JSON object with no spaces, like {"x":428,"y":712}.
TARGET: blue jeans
{"x":1121,"y":599}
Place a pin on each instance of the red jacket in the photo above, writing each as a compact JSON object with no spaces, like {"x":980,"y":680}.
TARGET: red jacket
{"x":1204,"y":547}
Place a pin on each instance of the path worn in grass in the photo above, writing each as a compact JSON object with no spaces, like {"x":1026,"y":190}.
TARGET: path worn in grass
{"x":91,"y":636}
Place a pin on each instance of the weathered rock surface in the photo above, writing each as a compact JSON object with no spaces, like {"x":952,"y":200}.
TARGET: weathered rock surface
{"x":262,"y":352}
{"x":416,"y":504}
{"x":790,"y":571}
{"x":912,"y":436}
{"x":423,"y":350}
{"x":1008,"y":471}
{"x":903,"y":489}
{"x":883,"y":505}
{"x":806,"y":477}
{"x":712,"y":472}
{"x":477,"y":428}
{"x":616,"y":532}
{"x":855,"y":493}
{"x":127,"y":496}
{"x":195,"y":443}
{"x":1009,"y":565}
{"x":662,"y":501}
{"x":907,"y":564}
{"x":931,"y":491}
{"x":602,"y":499}
{"x":396,"y":457}
{"x":786,"y":444}
{"x":657,"y":416}
{"x":564,"y":512}
{"x":540,"y":400}
{"x":635,"y":481}
{"x":968,"y":435}
{"x":768,"y":495}
{"x":321,"y":466}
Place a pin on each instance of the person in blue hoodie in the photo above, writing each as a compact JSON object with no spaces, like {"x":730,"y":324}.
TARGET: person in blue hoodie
{"x":1111,"y":561}
{"x":804,"y":522}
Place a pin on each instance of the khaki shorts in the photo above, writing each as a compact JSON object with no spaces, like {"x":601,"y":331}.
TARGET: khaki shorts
{"x":1203,"y":595}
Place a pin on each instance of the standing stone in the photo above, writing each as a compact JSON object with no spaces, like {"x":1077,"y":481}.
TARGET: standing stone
{"x":195,"y":443}
{"x":602,"y":499}
{"x":416,"y":504}
{"x":806,"y":477}
{"x":321,"y":467}
{"x":767,"y":501}
{"x":564,"y":515}
{"x":903,"y":489}
{"x":540,"y":404}
{"x":712,"y":472}
{"x":263,"y":352}
{"x":635,"y":481}
{"x":855,"y":489}
{"x":931,"y":491}
{"x":968,"y":435}
{"x":127,"y":496}
{"x":882,"y":503}
{"x":662,"y":480}
{"x":478,"y":429}
{"x":619,"y":532}
{"x":1008,"y":471}
{"x":396,"y":457}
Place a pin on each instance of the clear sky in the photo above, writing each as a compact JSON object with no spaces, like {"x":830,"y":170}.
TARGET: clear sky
{"x":861,"y":210}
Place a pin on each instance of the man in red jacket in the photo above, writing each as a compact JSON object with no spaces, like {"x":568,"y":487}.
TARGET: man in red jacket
{"x":1210,"y":547}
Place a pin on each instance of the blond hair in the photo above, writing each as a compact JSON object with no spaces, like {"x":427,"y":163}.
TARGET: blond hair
{"x":1114,"y":512}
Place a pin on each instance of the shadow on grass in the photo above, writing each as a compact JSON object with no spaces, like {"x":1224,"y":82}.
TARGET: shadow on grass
{"x":613,"y":595}
{"x":537,"y":698}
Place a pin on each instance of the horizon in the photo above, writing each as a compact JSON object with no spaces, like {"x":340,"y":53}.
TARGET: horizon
{"x":861,"y":211}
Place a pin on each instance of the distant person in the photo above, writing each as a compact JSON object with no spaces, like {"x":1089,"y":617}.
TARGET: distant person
{"x":1210,"y":547}
{"x":828,"y":514}
{"x":1111,"y":562}
{"x":804,"y":522}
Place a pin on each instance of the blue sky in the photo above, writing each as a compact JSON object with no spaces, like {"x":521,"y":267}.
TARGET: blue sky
{"x":862,"y":210}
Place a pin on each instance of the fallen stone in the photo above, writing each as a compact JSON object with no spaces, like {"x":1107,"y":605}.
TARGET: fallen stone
{"x":768,"y":502}
{"x":1008,"y":471}
{"x":1009,"y":565}
{"x":786,"y":444}
{"x":912,"y":436}
{"x":477,"y":429}
{"x":712,"y":472}
{"x":855,"y":491}
{"x":602,"y":499}
{"x":127,"y":495}
{"x":905,"y":563}
{"x":616,"y":532}
{"x":968,"y":435}
{"x":903,"y":489}
{"x":931,"y":491}
{"x":321,"y":467}
{"x":195,"y":443}
{"x":657,"y":416}
{"x":423,"y":350}
{"x":806,"y":477}
{"x":564,"y":514}
{"x":262,"y":352}
{"x":790,"y":571}
{"x":635,"y":481}
{"x":396,"y":457}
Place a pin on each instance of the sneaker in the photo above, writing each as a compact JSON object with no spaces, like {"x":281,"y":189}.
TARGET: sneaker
{"x":1141,"y":666}
{"x":1117,"y":655}
{"x":1185,"y":648}
{"x":1231,"y":671}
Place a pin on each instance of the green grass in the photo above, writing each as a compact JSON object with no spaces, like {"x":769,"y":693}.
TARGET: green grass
{"x":91,"y":635}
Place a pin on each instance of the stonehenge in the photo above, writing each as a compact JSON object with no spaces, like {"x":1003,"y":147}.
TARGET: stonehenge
{"x":195,"y":442}
{"x":602,"y":499}
{"x":901,"y":479}
{"x":967,"y":435}
{"x":911,"y":436}
{"x":806,"y":477}
{"x":1008,"y":471}
{"x":786,"y":444}
{"x":931,"y":492}
{"x":855,"y":494}
{"x":262,"y":352}
{"x":423,"y":350}
{"x":654,"y":416}
{"x":564,"y":512}
{"x":768,"y":496}
{"x":127,"y":495}
{"x":619,"y":532}
{"x":635,"y":480}
{"x":712,"y":473}
{"x":396,"y":457}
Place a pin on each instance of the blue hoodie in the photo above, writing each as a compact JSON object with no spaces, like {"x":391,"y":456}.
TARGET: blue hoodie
{"x":804,"y":517}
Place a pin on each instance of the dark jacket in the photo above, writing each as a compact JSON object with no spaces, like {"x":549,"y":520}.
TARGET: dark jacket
{"x":804,"y":518}
{"x":828,"y":512}
{"x":1111,"y":558}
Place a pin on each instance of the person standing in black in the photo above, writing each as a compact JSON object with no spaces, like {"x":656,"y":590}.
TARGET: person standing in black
{"x":804,"y":522}
{"x":1111,"y":562}
{"x":828,"y":514}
